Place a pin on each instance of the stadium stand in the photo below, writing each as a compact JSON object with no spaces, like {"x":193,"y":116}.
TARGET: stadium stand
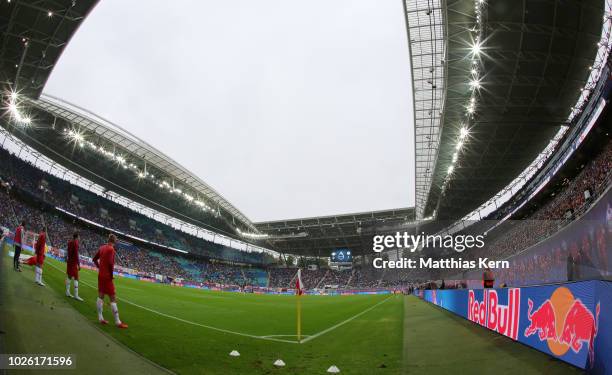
{"x":26,"y":189}
{"x":87,"y":205}
{"x":573,"y":200}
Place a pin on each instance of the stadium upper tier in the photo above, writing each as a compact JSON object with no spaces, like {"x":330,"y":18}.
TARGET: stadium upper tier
{"x":111,"y":157}
{"x":33,"y":35}
{"x":80,"y":205}
{"x":494,"y":81}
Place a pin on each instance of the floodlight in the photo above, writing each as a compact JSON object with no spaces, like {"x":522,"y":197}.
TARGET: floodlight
{"x":476,"y":48}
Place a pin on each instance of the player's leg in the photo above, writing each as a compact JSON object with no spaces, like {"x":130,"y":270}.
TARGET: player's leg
{"x":67,"y":282}
{"x":76,"y":289}
{"x":115,"y":310}
{"x":40,"y":274}
{"x":16,"y":258}
{"x":100,"y":307}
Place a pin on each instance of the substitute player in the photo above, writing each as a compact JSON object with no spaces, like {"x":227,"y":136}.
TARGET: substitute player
{"x":18,"y":235}
{"x":73,"y":266}
{"x":39,"y":249}
{"x":105,"y":261}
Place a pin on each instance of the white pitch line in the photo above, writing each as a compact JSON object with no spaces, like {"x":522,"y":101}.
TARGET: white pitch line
{"x":284,"y":336}
{"x":204,"y":325}
{"x":188,"y":321}
{"x":343,"y":322}
{"x":268,"y":337}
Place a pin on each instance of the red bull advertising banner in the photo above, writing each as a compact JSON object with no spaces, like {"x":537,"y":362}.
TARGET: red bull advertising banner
{"x":571,"y":321}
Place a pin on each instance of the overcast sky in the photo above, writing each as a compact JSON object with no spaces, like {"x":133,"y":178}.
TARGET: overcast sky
{"x":287,"y":108}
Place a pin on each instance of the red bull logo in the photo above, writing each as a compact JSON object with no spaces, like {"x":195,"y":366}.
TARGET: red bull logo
{"x":490,"y":313}
{"x":564,"y":322}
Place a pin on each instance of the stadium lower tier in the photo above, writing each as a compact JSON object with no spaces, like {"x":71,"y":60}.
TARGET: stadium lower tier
{"x":578,"y":251}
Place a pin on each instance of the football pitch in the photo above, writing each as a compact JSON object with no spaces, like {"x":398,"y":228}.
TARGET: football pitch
{"x":192,"y":331}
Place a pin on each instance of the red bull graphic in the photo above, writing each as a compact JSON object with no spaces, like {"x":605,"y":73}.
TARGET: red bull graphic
{"x":489,"y":312}
{"x":580,"y":328}
{"x":565,"y":323}
{"x":542,"y":321}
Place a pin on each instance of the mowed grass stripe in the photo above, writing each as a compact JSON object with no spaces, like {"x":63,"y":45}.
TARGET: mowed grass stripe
{"x":440,"y":342}
{"x":370,"y":343}
{"x":272,"y":337}
{"x":312,"y":337}
{"x":256,"y":315}
{"x":269,"y":337}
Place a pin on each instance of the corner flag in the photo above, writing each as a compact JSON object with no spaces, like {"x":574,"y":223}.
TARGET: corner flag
{"x":298,"y":283}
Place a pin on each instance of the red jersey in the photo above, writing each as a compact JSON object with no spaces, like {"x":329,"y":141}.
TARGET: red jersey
{"x":105,"y":261}
{"x":73,"y":253}
{"x":40,"y":244}
{"x":18,"y":232}
{"x":488,"y":280}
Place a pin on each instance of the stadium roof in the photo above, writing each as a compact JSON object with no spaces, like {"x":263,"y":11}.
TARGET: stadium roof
{"x":320,"y":235}
{"x":105,"y":153}
{"x":33,"y":35}
{"x":511,"y":72}
{"x":112,"y":157}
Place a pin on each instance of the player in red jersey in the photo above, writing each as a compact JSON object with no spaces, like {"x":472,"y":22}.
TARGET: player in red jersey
{"x":19,"y":232}
{"x":105,"y":261}
{"x":39,"y":249}
{"x":73,"y":266}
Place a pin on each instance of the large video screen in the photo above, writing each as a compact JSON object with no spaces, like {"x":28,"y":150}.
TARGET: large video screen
{"x":342,"y":255}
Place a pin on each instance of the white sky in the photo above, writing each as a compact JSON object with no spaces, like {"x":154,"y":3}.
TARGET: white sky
{"x":287,"y":108}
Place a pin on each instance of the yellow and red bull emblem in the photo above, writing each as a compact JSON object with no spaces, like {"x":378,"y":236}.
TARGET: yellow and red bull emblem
{"x":564,"y":322}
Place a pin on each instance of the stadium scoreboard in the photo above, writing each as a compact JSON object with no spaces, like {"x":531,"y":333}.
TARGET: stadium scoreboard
{"x":341,"y":255}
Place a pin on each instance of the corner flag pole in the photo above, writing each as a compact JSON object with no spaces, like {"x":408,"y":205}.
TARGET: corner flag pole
{"x":299,"y":286}
{"x":299,"y":318}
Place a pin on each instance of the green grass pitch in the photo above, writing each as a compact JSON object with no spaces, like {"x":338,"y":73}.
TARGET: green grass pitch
{"x":170,"y":325}
{"x":191,"y":331}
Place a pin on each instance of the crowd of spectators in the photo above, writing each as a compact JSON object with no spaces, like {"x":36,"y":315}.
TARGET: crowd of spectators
{"x":149,"y":263}
{"x":366,"y":277}
{"x":340,"y":278}
{"x":572,"y":201}
{"x":282,"y":277}
{"x":286,"y":277}
{"x":22,"y":175}
{"x":583,"y":255}
{"x":60,"y":230}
